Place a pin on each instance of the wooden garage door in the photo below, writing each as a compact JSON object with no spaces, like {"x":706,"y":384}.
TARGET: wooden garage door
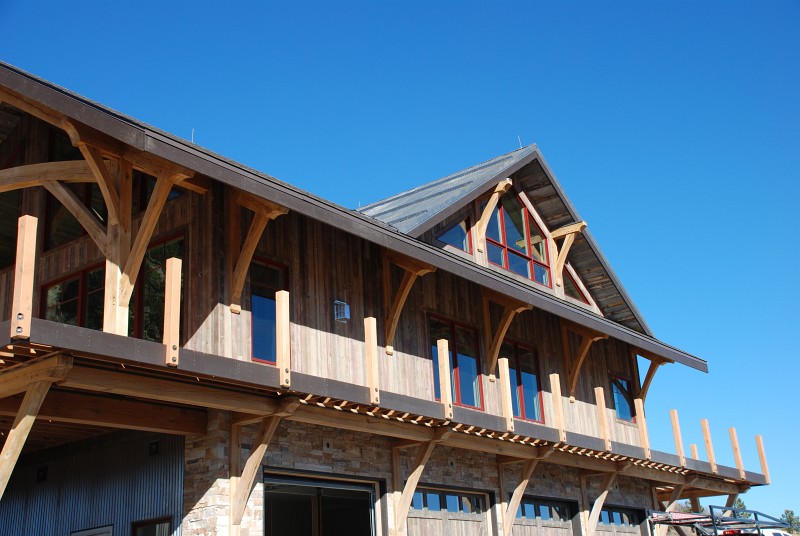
{"x":435,"y":512}
{"x":544,"y":517}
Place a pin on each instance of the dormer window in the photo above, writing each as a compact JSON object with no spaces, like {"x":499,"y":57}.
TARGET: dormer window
{"x":515,"y":242}
{"x":457,"y":236}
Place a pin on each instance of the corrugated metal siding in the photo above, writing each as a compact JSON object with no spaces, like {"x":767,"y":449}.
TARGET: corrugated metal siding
{"x":113,"y":482}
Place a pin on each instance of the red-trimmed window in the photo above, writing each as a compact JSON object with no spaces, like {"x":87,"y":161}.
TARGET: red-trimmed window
{"x":572,"y":289}
{"x":76,"y":299}
{"x":623,"y":397}
{"x":526,"y":394}
{"x":515,"y":242}
{"x":265,"y":280}
{"x":457,"y":236}
{"x":465,"y":368}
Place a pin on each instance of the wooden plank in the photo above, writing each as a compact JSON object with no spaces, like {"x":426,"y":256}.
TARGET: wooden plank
{"x":641,"y":424}
{"x":709,"y":445}
{"x":81,"y":212}
{"x":506,"y":405}
{"x":283,"y":338}
{"x":602,"y":417}
{"x":148,"y":224}
{"x":445,"y":389}
{"x":737,"y":453}
{"x":558,"y":407}
{"x":22,"y":300}
{"x":516,"y":496}
{"x":245,"y":256}
{"x":371,"y":365}
{"x":762,"y":457}
{"x":18,"y":378}
{"x":597,"y":507}
{"x":172,"y":311}
{"x":676,"y":434}
{"x":18,"y":434}
{"x":128,"y":414}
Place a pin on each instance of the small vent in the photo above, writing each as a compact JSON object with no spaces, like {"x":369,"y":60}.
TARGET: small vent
{"x":341,"y":311}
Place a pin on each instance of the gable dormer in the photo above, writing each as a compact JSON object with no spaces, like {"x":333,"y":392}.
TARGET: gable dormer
{"x":510,"y":215}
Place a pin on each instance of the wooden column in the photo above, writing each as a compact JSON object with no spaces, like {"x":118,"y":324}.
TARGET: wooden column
{"x":709,"y":445}
{"x":283,"y":338}
{"x":118,"y":248}
{"x":762,"y":457}
{"x":445,"y":389}
{"x":505,"y":394}
{"x":737,"y":454}
{"x":558,"y":407}
{"x":597,"y":507}
{"x":24,"y":269}
{"x":602,"y":417}
{"x":172,"y":311}
{"x":695,"y":452}
{"x":676,"y":434}
{"x":371,"y":359}
{"x":641,"y":423}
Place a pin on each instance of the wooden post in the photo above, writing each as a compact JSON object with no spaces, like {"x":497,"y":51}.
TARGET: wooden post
{"x":283,"y":338}
{"x":602,"y":417}
{"x":676,"y":433}
{"x":22,"y":303}
{"x":695,"y":502}
{"x":762,"y":457}
{"x":371,"y":357}
{"x":737,"y":454}
{"x":505,"y":393}
{"x":641,"y":423}
{"x":172,"y":311}
{"x":558,"y":406}
{"x":26,"y":415}
{"x":695,"y":452}
{"x":445,"y":390}
{"x":709,"y":445}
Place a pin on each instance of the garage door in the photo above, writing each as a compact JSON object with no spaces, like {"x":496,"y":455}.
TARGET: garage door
{"x":456,"y":513}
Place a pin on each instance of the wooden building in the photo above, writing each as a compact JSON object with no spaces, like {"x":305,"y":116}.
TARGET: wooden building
{"x":195,"y":347}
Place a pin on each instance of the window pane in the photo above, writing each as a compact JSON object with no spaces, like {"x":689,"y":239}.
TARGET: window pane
{"x":263,"y":328}
{"x":530,"y":510}
{"x":519,"y":265}
{"x":605,"y":517}
{"x":62,"y":302}
{"x":506,"y":350}
{"x":434,"y":501}
{"x":457,"y":236}
{"x":153,"y":280}
{"x":544,"y":512}
{"x":530,"y":385}
{"x":438,"y":330}
{"x":493,"y":227}
{"x":93,"y":309}
{"x":514,"y":219}
{"x":538,"y":249}
{"x":495,"y":254}
{"x":622,"y":400}
{"x":469,"y":386}
{"x":451,"y":502}
{"x":617,"y":517}
{"x":571,"y":289}
{"x":416,"y":501}
{"x":541,"y":274}
{"x":61,"y":225}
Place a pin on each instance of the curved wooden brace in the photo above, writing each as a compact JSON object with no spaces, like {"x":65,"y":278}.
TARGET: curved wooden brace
{"x":81,"y":212}
{"x":480,"y":226}
{"x":574,"y":364}
{"x":597,"y":507}
{"x":413,"y":269}
{"x":30,"y":175}
{"x":568,"y":232}
{"x":516,"y":497}
{"x":510,"y":308}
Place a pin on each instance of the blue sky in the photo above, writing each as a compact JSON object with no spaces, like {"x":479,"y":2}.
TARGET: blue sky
{"x":673,"y":127}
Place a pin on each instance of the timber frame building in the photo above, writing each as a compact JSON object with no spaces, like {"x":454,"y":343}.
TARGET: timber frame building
{"x":193,"y":347}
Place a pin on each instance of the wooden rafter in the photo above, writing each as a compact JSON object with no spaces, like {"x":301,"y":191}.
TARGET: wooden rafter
{"x":242,"y":486}
{"x":568,"y":232}
{"x":404,"y":502}
{"x":597,"y":507}
{"x":574,"y":363}
{"x":413,"y":269}
{"x":30,"y":106}
{"x":511,"y":307}
{"x":482,"y":223}
{"x":265,"y":211}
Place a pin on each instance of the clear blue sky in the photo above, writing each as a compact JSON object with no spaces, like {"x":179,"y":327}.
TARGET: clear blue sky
{"x":673,"y":126}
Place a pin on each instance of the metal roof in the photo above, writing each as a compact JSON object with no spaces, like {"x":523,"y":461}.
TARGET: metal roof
{"x":147,"y":138}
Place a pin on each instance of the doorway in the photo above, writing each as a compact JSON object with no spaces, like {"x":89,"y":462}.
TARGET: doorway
{"x":300,"y":507}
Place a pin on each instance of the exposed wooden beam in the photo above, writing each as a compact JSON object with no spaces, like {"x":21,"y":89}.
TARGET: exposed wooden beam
{"x":504,"y":385}
{"x":24,"y":272}
{"x":737,"y":453}
{"x":516,"y":497}
{"x":18,"y":378}
{"x":26,"y":415}
{"x":105,"y":180}
{"x":510,"y":308}
{"x":597,"y":507}
{"x":40,"y":111}
{"x":81,"y":408}
{"x":482,"y":223}
{"x":417,"y":468}
{"x":371,"y":362}
{"x":762,"y":457}
{"x":648,"y":378}
{"x":574,"y":363}
{"x":602,"y":417}
{"x":81,"y":212}
{"x":283,"y":338}
{"x":641,"y":424}
{"x":31,"y":175}
{"x":568,"y":229}
{"x":676,"y":434}
{"x":118,"y":247}
{"x":568,"y":232}
{"x":709,"y":445}
{"x":412,"y":270}
{"x":172,"y":311}
{"x":445,"y":386}
{"x":558,"y":407}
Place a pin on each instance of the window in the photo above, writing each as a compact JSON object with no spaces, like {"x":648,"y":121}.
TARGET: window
{"x":623,"y":397}
{"x":60,"y":225}
{"x":154,"y":527}
{"x":515,"y":242}
{"x":435,"y":500}
{"x":457,"y":236}
{"x":571,"y":288}
{"x":544,"y":509}
{"x":76,"y":300}
{"x":526,"y":396}
{"x":623,"y":517}
{"x":265,"y":280}
{"x":465,"y":378}
{"x":146,"y":314}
